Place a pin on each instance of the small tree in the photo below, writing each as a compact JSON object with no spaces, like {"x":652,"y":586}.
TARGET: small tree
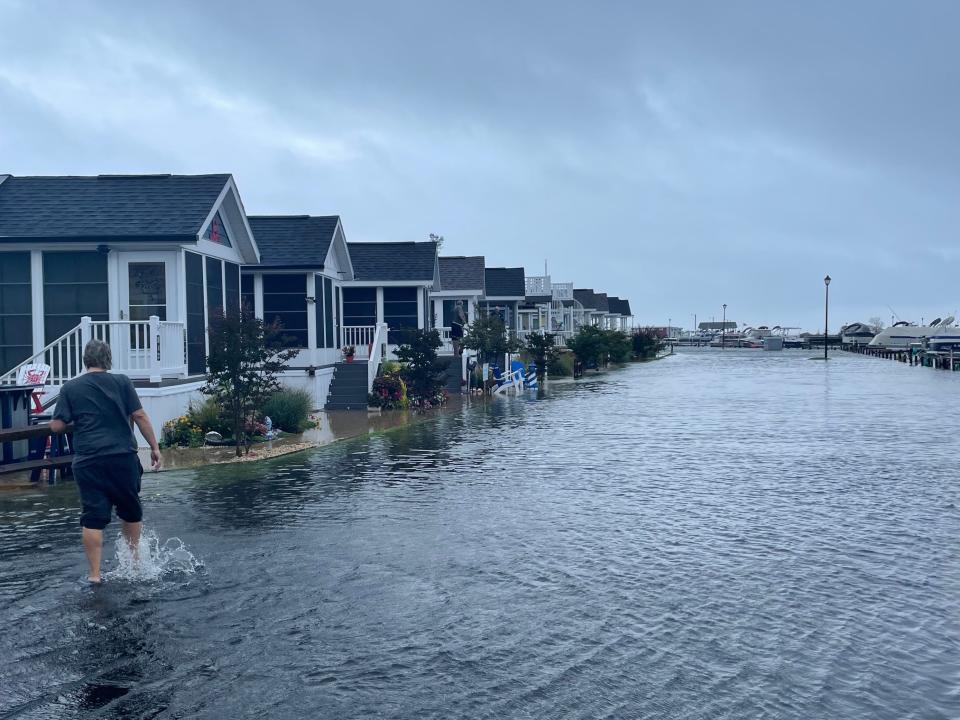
{"x":617,"y":345}
{"x":542,"y":349}
{"x":245,"y":358}
{"x":422,"y":371}
{"x":589,"y":345}
{"x":487,"y":334}
{"x":646,"y":342}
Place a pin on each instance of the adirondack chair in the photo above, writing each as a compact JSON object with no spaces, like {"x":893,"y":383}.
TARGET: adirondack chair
{"x":35,"y":374}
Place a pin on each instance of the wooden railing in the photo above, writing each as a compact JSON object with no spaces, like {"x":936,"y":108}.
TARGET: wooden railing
{"x":60,"y":455}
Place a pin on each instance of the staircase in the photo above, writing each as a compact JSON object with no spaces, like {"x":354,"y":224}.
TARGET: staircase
{"x":348,"y":388}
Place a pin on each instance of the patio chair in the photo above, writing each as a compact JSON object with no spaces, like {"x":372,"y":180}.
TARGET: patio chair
{"x":34,"y":374}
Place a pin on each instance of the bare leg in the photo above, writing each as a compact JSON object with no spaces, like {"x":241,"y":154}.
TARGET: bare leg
{"x":131,"y":533}
{"x":93,"y":546}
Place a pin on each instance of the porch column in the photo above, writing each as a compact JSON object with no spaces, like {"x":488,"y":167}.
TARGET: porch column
{"x":420,"y":318}
{"x":36,"y":298}
{"x":258,"y":295}
{"x":379,"y":305}
{"x":153,"y":347}
{"x":312,"y":311}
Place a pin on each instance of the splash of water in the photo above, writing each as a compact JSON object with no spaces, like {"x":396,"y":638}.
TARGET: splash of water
{"x":153,"y":559}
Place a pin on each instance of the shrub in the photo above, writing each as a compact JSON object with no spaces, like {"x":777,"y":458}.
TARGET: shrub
{"x":289,"y":410}
{"x":389,"y":393}
{"x":421,"y":371}
{"x":561,"y":365}
{"x":390,"y":367}
{"x":208,"y":416}
{"x":181,"y":432}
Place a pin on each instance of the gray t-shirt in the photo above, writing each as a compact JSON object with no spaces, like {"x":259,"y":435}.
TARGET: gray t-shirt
{"x":99,"y":404}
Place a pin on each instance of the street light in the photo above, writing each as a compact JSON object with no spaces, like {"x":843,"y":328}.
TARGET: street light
{"x":826,"y":313}
{"x":723,"y":329}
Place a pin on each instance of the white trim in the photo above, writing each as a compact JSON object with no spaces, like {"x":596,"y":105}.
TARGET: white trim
{"x":312,"y":306}
{"x":258,"y":295}
{"x":379,"y":305}
{"x":385,"y":283}
{"x":457,"y":293}
{"x":36,"y":300}
{"x":344,"y":253}
{"x":206,"y":335}
{"x":248,"y":240}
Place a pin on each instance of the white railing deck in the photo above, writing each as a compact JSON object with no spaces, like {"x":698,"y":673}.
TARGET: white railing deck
{"x":142,"y":349}
{"x":361,"y":337}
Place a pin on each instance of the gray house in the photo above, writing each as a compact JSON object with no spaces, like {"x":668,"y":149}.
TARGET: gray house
{"x":140,"y":261}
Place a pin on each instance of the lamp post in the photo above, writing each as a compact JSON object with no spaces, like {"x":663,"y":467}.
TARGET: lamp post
{"x":723,"y":329}
{"x":695,"y":334}
{"x":826,"y":313}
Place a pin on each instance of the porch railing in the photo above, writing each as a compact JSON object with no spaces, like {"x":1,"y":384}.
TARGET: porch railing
{"x":151,"y":348}
{"x":144,"y":349}
{"x":378,"y":348}
{"x":361,"y":337}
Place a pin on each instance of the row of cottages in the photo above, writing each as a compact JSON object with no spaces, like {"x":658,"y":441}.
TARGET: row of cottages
{"x":145,"y":261}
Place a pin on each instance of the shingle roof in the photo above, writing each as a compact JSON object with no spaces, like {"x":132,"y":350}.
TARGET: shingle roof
{"x":504,"y":282}
{"x":625,"y":308}
{"x":128,"y":207}
{"x":462,"y":273}
{"x":601,"y":304}
{"x":393,"y":261}
{"x":617,"y":306}
{"x":293,"y":240}
{"x":538,"y":299}
{"x":586,"y":297}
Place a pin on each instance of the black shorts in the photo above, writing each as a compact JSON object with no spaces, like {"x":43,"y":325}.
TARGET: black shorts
{"x":111,"y":481}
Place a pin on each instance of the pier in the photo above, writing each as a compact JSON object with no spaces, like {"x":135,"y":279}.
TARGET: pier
{"x":936,"y":359}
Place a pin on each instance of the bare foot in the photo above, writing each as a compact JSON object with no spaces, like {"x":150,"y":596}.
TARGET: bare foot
{"x":95,"y":580}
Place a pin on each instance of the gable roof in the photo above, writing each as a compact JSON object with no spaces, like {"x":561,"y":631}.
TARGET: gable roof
{"x":116,"y":207}
{"x":623,"y":306}
{"x":462,"y":272}
{"x":393,"y":261}
{"x":504,"y":282}
{"x":601,"y":303}
{"x":586,"y":297}
{"x":293,"y":241}
{"x":618,"y":306}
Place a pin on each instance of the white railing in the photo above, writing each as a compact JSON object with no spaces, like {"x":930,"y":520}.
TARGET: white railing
{"x":361,"y":337}
{"x":64,"y":356}
{"x":378,"y":349}
{"x":150,"y":349}
{"x":144,"y":349}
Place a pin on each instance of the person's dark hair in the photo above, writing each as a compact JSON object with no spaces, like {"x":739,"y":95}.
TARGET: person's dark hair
{"x":97,"y":354}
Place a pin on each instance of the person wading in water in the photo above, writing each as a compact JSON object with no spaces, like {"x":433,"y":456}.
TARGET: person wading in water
{"x":103,"y":408}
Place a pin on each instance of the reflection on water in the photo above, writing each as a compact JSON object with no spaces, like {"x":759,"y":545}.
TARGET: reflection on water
{"x":717,"y":535}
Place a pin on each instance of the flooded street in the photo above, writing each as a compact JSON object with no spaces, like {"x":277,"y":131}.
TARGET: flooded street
{"x":729,"y":534}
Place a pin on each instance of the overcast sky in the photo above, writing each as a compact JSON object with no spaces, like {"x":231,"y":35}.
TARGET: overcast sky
{"x":680,"y":154}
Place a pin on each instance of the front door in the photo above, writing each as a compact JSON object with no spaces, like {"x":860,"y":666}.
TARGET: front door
{"x":147,"y":288}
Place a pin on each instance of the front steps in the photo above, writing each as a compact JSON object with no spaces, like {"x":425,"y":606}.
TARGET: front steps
{"x":348,"y":388}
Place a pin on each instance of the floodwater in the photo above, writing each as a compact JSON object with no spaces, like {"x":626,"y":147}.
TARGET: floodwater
{"x":732,"y":534}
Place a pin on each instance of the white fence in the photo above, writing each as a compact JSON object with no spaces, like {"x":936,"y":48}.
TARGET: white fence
{"x":361,"y":337}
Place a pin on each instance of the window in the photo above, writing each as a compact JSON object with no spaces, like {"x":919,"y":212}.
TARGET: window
{"x":216,"y":232}
{"x":285,"y":301}
{"x":214,"y":287}
{"x":359,"y":306}
{"x":231,"y":284}
{"x":147,"y":290}
{"x":196,"y":323}
{"x":16,"y":326}
{"x":399,"y":311}
{"x":247,"y":292}
{"x":74,"y":285}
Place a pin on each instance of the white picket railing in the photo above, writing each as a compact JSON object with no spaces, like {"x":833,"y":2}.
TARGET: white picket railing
{"x":378,"y":348}
{"x":360,"y":337}
{"x":144,"y":349}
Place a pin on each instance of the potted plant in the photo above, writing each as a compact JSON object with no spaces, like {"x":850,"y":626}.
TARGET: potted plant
{"x":348,"y":352}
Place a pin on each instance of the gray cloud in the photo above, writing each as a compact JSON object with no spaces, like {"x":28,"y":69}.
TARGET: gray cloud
{"x":682,"y":154}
